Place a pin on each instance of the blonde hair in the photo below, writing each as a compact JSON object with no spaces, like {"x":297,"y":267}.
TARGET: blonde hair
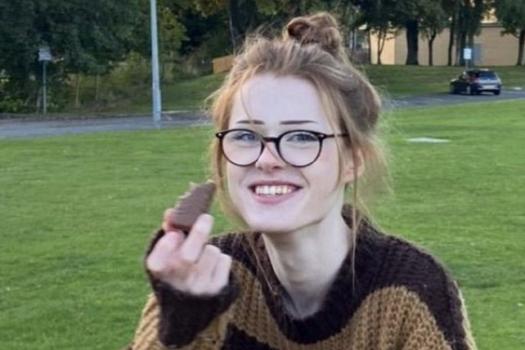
{"x":311,"y":47}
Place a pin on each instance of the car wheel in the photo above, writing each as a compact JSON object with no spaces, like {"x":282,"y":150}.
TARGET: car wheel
{"x":497,"y":92}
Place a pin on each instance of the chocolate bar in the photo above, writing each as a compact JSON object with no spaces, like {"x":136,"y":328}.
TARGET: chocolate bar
{"x":192,"y":204}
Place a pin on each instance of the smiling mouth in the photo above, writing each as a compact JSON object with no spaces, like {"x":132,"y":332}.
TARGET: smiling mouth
{"x":273,"y":190}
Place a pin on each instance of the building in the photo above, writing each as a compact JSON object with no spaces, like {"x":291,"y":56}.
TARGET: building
{"x":490,"y":48}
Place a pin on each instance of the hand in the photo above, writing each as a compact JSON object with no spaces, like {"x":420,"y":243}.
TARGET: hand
{"x":189,"y":264}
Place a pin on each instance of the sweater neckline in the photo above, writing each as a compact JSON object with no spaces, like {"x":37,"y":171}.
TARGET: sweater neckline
{"x":342,"y":299}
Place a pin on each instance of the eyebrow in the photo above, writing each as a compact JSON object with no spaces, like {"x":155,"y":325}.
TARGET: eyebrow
{"x":285,"y":122}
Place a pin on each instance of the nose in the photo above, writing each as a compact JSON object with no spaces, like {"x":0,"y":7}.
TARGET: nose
{"x":269,"y":158}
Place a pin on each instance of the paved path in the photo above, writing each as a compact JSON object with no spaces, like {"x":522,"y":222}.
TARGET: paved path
{"x":448,"y":99}
{"x":29,"y":129}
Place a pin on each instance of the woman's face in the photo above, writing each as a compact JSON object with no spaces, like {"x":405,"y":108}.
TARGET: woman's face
{"x":271,"y":195}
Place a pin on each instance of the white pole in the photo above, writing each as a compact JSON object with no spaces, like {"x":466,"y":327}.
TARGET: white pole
{"x":157,"y":103}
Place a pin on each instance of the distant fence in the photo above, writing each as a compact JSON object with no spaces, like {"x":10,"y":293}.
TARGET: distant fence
{"x":222,"y":64}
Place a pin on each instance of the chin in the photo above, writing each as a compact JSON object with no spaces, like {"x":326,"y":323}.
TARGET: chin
{"x":266,"y":223}
{"x":271,"y":222}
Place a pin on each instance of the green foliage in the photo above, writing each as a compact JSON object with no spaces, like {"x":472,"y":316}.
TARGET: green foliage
{"x":84,"y":37}
{"x":511,"y":14}
{"x":126,"y":81}
{"x":434,"y":21}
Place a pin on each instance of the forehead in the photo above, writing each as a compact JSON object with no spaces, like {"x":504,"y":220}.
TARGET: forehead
{"x":277,"y":99}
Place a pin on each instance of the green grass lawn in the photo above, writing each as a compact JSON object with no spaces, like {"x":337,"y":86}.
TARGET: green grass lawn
{"x":77,"y":211}
{"x":399,"y":81}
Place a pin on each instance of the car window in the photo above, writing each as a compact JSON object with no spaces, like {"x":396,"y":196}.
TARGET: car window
{"x":487,"y":75}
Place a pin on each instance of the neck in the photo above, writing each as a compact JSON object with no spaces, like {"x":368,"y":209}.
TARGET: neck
{"x":306,"y":261}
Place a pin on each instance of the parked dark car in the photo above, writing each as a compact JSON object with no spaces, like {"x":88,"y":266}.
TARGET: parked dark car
{"x":476,"y":81}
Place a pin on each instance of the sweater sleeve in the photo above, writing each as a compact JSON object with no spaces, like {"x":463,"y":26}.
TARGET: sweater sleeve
{"x":436,"y":317}
{"x":421,"y":331}
{"x":175,"y":320}
{"x":423,"y":299}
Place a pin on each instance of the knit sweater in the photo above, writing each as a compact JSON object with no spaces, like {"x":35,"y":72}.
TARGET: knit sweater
{"x":395,"y":296}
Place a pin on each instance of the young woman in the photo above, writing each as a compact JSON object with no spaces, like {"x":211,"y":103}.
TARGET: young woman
{"x":296,"y":130}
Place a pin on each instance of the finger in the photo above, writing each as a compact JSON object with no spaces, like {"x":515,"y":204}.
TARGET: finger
{"x":166,"y":246}
{"x":207,"y":262}
{"x":167,"y":224}
{"x":192,"y":247}
{"x":221,"y":274}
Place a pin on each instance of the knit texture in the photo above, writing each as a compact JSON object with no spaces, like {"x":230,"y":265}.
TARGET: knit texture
{"x":399,"y":297}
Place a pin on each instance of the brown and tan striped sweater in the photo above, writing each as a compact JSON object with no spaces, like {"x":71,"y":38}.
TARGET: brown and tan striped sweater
{"x":398,"y":298}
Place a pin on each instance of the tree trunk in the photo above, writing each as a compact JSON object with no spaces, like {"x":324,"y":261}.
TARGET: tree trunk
{"x":460,"y":45}
{"x":412,"y":32}
{"x":381,"y":38}
{"x":431,"y":49}
{"x":451,"y":39}
{"x":77,"y":91}
{"x":470,"y":42}
{"x":97,"y":87}
{"x":520,"y":49}
{"x":233,"y":19}
{"x":369,"y":38}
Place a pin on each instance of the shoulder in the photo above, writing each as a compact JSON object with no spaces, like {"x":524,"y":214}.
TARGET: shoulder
{"x":404,"y":269}
{"x":402,"y":263}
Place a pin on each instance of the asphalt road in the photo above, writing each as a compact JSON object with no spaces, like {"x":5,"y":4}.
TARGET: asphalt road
{"x":12,"y":128}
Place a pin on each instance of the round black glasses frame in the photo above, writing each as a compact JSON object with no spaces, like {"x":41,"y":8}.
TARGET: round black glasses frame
{"x":277,"y":141}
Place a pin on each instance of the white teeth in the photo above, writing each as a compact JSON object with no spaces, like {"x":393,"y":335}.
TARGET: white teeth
{"x":273,"y":190}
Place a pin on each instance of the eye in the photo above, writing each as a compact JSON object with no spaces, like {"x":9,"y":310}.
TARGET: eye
{"x":300,"y":137}
{"x":243,"y":136}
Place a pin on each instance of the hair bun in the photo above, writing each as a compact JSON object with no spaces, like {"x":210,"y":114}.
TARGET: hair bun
{"x":320,"y":28}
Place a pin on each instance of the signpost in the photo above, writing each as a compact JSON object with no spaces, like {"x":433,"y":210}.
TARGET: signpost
{"x":44,"y":56}
{"x":467,"y":56}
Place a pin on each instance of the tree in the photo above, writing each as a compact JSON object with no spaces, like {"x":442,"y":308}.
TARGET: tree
{"x":451,"y":8}
{"x":377,"y":15}
{"x":433,"y":23}
{"x":406,"y":14}
{"x":245,"y":16}
{"x":171,"y":35}
{"x":84,"y":37}
{"x":511,"y":14}
{"x":469,"y":16}
{"x":242,"y":16}
{"x":18,"y":54}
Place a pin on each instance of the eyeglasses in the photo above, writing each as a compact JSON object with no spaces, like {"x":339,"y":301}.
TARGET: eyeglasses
{"x":299,"y":148}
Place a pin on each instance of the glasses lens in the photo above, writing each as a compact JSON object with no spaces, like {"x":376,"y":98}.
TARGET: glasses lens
{"x":241,"y":147}
{"x":300,"y":148}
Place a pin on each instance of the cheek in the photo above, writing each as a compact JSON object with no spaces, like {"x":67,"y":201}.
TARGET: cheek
{"x":233,"y":178}
{"x":327,"y":166}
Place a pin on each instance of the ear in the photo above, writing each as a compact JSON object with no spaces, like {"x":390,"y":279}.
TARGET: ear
{"x":353,"y":166}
